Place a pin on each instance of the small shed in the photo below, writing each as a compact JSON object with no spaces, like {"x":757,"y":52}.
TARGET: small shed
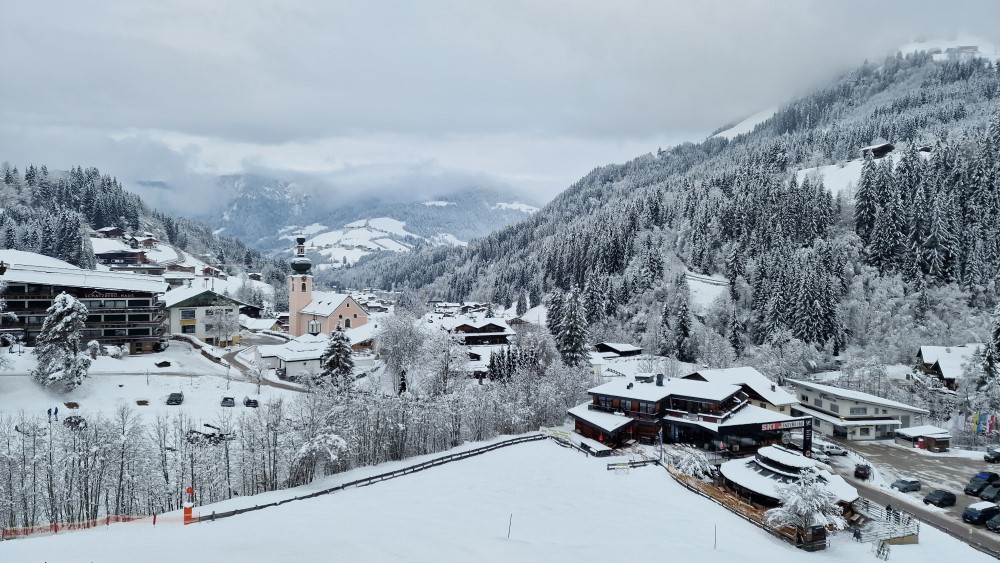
{"x":622,"y":350}
{"x":878,"y":150}
{"x":927,"y":437}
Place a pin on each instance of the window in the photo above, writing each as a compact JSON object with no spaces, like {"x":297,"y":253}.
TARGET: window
{"x":188,"y":329}
{"x":781,"y":409}
{"x":187,"y":314}
{"x":859,"y":410}
{"x":834,"y":407}
{"x":348,"y":305}
{"x":347,"y":323}
{"x":805,"y":398}
{"x":818,"y":402}
{"x":866,"y":431}
{"x":355,"y":315}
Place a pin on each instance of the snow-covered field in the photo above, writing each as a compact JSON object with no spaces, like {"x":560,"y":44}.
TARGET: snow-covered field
{"x":747,"y":124}
{"x":123,"y":382}
{"x":836,"y":177}
{"x":705,"y":289}
{"x":557,"y":504}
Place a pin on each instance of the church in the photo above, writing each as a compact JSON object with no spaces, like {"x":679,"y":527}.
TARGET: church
{"x":313,"y":312}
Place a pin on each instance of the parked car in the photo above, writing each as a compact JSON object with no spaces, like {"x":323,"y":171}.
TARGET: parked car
{"x":979,"y":482}
{"x":906,"y":485}
{"x":993,"y":524}
{"x":980,"y":512}
{"x":862,"y":471}
{"x":228,"y":402}
{"x":940,"y":498}
{"x":991,"y":492}
{"x":248,"y":402}
{"x":830,"y":449}
{"x":992,"y":455}
{"x":175,"y":399}
{"x":820,"y":457}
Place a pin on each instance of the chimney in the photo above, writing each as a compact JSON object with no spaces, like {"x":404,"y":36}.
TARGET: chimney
{"x":772,"y":387}
{"x":659,"y":380}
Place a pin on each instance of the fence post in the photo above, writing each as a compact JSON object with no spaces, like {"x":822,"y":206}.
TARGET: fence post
{"x":154,"y":519}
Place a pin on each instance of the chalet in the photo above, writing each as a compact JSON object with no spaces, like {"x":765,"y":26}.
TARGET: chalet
{"x":193,"y":311}
{"x":718,"y":416}
{"x":850,"y":414}
{"x":149,"y":269}
{"x":877,"y":151}
{"x":255,"y":276}
{"x":142,"y":241}
{"x":122,"y":257}
{"x":479,"y":332}
{"x":180,"y":268}
{"x":946,"y":362}
{"x":111,"y":232}
{"x":762,"y":391}
{"x":619,"y":350}
{"x":177,"y":279}
{"x":125,"y":310}
{"x":293,"y":358}
{"x":213,"y":272}
{"x":314,"y":312}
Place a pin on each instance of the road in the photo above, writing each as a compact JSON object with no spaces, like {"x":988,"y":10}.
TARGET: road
{"x":239,"y":367}
{"x":934,"y":472}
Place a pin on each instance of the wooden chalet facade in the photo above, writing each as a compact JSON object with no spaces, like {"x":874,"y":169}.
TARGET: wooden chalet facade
{"x":487,"y":332}
{"x":716,"y":416}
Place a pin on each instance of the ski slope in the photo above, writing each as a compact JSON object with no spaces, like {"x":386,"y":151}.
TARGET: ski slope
{"x":557,"y":504}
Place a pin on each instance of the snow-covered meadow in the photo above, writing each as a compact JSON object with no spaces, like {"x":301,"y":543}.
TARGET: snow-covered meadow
{"x":557,"y":504}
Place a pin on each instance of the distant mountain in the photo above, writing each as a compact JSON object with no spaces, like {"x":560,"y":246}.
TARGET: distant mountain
{"x":268,"y":213}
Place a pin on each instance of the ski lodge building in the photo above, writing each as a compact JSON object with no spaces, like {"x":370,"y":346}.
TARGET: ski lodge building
{"x":716,"y":416}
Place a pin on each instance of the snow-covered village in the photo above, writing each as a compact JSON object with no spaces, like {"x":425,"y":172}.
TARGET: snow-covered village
{"x":495,"y":281}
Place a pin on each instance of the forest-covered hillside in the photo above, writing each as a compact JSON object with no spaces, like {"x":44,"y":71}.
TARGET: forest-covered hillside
{"x":912,"y":261}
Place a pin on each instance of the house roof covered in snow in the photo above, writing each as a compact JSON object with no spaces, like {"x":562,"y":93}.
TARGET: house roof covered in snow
{"x":925,"y":430}
{"x":31,"y":268}
{"x":324,"y":303}
{"x":605,"y":421}
{"x":949,"y":359}
{"x":671,"y":386}
{"x":179,"y":295}
{"x":303,"y":348}
{"x":856,"y":396}
{"x":747,"y":472}
{"x":258,"y":324}
{"x":753,"y":379}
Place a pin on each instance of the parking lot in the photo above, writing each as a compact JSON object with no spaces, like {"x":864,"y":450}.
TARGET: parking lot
{"x":934,"y":472}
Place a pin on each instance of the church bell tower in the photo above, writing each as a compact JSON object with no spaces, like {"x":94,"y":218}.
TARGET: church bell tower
{"x":300,"y":283}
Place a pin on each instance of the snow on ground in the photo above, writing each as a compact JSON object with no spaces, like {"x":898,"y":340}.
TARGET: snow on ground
{"x":447,"y":239}
{"x":747,"y":124}
{"x":836,"y":177}
{"x":705,"y":289}
{"x":123,"y":382}
{"x":557,"y":504}
{"x":291,"y":231}
{"x":162,"y":254}
{"x":538,"y":315}
{"x":101,"y":244}
{"x":437,"y":203}
{"x":986,"y":48}
{"x":22,"y":258}
{"x":517,"y":206}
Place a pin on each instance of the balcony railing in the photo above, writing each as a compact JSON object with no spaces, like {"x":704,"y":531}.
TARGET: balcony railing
{"x":627,"y":412}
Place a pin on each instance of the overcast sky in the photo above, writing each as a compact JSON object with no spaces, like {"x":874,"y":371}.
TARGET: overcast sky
{"x":376,"y":95}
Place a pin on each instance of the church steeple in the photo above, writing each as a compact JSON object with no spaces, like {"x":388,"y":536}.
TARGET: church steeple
{"x":299,"y":288}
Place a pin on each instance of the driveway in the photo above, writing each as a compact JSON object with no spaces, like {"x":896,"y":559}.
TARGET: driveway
{"x":934,"y":472}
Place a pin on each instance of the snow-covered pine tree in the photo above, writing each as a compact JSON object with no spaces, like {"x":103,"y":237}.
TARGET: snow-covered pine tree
{"x":683,"y":343}
{"x":572,"y":338}
{"x":554,"y":315}
{"x":522,"y":303}
{"x":337,"y":364}
{"x":866,"y":200}
{"x":57,"y":346}
{"x":805,"y":503}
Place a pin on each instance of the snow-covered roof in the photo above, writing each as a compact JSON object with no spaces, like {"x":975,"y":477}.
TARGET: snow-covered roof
{"x":751,"y":378}
{"x":786,"y":457}
{"x":362,"y":333}
{"x":925,"y":430}
{"x":303,"y":348}
{"x":102,"y":245}
{"x":949,"y":359}
{"x":476,"y":322}
{"x":324,"y":303}
{"x":752,"y":414}
{"x":884,"y":420}
{"x":671,"y":386}
{"x":746,"y":472}
{"x":606,"y":421}
{"x":257,"y":324}
{"x":28,"y":267}
{"x":620,"y":347}
{"x":857,"y":396}
{"x":181,"y":294}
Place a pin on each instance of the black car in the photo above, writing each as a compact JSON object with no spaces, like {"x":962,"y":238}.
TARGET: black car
{"x":940,"y":498}
{"x":862,"y":471}
{"x":979,"y":483}
{"x":980,"y":512}
{"x":248,"y":402}
{"x":992,"y":456}
{"x":175,"y":399}
{"x":993,"y":524}
{"x":228,"y":402}
{"x":991,"y":492}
